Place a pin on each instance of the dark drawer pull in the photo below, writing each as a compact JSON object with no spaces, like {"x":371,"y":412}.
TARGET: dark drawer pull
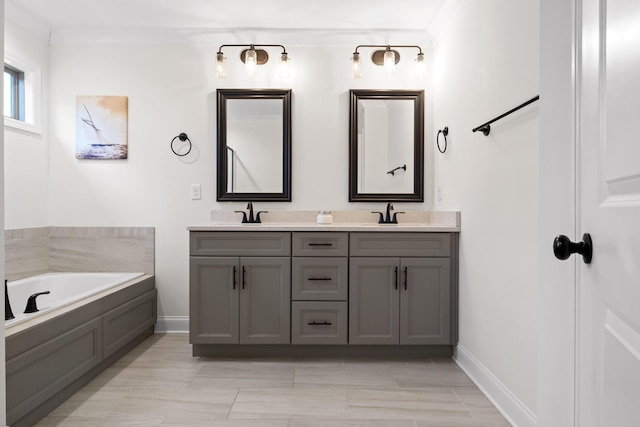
{"x":325,"y":323}
{"x":320,"y":244}
{"x":318,"y":279}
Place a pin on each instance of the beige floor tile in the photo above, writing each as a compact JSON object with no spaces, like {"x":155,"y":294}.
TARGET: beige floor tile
{"x":159,"y":383}
{"x":364,"y":376}
{"x":185,"y":404}
{"x":225,"y":423}
{"x":435,"y":404}
{"x":290,"y":403}
{"x":351,"y":423}
{"x":97,"y":422}
{"x":89,"y":403}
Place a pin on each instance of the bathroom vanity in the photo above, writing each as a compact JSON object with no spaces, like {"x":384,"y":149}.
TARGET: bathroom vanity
{"x":301,"y":287}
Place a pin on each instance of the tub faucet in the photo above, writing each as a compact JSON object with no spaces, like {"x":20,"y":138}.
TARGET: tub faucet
{"x":31,"y":302}
{"x":8,"y":313}
{"x":388,"y":218}
{"x":251,"y":219}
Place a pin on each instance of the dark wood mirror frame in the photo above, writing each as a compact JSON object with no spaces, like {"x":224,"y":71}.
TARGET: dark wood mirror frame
{"x":223,"y":195}
{"x":417,"y":96}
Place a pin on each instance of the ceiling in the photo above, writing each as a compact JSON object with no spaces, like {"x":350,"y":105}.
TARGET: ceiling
{"x":188,"y":20}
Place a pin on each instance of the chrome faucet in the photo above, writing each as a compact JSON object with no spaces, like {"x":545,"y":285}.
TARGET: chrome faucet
{"x":8,"y":313}
{"x":251,"y":219}
{"x":388,"y":218}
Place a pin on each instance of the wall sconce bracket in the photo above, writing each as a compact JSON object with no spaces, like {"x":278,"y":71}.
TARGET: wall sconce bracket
{"x":377,"y":57}
{"x":261,"y":54}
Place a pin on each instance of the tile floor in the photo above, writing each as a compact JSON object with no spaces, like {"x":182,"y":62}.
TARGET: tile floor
{"x":160,"y":384}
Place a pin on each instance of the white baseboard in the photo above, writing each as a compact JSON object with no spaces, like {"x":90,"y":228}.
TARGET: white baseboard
{"x":509,"y":405}
{"x":172,"y":325}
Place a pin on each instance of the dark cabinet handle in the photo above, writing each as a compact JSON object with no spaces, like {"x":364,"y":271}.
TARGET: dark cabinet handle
{"x":244,"y":277}
{"x":320,"y":244}
{"x":319,"y":323}
{"x":234,"y":277}
{"x":319,"y":279}
{"x":395,"y":278}
{"x":563,"y":247}
{"x":405,"y":278}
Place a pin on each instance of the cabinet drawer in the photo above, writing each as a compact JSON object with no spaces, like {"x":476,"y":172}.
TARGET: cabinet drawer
{"x":319,"y":322}
{"x":240,"y":243}
{"x":320,"y":279}
{"x":400,"y":244}
{"x":320,"y":244}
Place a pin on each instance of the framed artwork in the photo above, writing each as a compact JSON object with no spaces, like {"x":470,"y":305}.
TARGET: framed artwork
{"x":101,"y":127}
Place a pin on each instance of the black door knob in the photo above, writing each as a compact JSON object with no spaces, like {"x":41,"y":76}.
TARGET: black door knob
{"x":563,"y":247}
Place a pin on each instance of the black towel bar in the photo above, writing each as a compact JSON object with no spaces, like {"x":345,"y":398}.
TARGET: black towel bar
{"x":485,"y":128}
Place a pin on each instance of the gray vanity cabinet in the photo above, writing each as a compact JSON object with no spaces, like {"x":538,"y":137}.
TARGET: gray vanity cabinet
{"x":400,"y":300}
{"x":346,"y":289}
{"x":240,"y":299}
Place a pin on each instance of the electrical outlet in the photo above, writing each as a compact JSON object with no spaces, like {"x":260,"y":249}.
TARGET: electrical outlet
{"x":439,"y":192}
{"x":196,"y":192}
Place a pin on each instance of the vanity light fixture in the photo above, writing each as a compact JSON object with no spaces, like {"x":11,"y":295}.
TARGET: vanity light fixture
{"x":252,"y":57}
{"x":386,"y":57}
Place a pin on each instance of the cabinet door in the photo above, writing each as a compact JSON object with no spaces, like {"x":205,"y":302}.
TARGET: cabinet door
{"x":265,"y":300}
{"x":213,"y":300}
{"x":373,"y":301}
{"x":425,"y":301}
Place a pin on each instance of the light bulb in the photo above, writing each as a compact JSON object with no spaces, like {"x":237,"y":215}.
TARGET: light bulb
{"x":284,"y":71}
{"x":221,"y":72}
{"x":421,"y":66}
{"x":355,"y":66}
{"x":389,"y":62}
{"x":250,"y":61}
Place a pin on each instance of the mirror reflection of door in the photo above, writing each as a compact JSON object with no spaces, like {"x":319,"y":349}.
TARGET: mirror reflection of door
{"x":254,"y":145}
{"x":385,"y":146}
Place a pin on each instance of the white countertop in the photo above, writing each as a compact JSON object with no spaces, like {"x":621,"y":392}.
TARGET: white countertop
{"x":411,"y":221}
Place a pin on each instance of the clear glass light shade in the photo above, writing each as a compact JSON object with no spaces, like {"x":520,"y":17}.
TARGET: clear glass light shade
{"x":250,"y":62}
{"x":421,"y":66}
{"x":284,"y":71}
{"x":221,"y":72}
{"x":389,"y":62}
{"x":355,"y":66}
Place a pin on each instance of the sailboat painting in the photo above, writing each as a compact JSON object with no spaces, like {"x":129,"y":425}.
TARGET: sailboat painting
{"x":101,"y":127}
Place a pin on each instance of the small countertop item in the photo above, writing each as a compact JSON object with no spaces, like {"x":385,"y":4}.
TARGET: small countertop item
{"x":324,"y":217}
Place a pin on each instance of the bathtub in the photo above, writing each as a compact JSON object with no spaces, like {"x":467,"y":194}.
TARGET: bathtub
{"x":64,"y":288}
{"x":86,"y":323}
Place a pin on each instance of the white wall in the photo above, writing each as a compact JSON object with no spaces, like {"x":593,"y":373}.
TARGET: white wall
{"x":171,"y":89}
{"x":26,"y":154}
{"x":487,"y":62}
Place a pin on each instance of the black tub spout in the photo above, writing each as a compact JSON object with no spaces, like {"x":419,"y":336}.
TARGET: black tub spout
{"x":8,"y":313}
{"x":31,"y":302}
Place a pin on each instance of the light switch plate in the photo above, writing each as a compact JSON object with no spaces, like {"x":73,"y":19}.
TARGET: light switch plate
{"x":196,"y":192}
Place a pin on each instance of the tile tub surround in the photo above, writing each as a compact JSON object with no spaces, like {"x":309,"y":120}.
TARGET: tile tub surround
{"x":33,"y":251}
{"x":356,"y":220}
{"x":159,"y":384}
{"x":26,"y":252}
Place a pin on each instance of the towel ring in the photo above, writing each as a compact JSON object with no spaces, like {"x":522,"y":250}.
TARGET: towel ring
{"x":182,"y":137}
{"x":445,"y":132}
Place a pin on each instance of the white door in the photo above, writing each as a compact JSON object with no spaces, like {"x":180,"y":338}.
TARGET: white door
{"x":608,"y":188}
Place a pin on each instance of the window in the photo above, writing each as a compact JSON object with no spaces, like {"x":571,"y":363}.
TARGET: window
{"x":13,"y":93}
{"x":22,"y":103}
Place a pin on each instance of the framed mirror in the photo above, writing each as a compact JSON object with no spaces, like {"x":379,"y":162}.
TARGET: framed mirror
{"x":386,"y":146}
{"x":254,"y":145}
